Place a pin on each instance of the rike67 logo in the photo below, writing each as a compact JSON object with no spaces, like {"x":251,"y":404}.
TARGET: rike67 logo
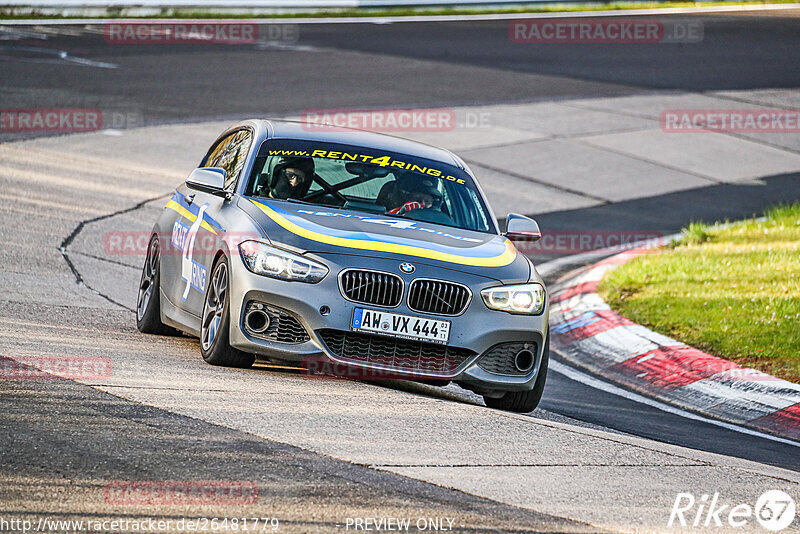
{"x":774,"y":510}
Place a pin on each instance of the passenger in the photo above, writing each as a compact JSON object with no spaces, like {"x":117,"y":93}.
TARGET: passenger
{"x":417,"y":192}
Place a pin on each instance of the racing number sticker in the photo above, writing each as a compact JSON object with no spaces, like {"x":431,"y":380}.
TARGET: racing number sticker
{"x":184,"y":238}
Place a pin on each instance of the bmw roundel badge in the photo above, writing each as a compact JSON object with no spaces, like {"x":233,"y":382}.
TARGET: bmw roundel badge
{"x":407,"y":268}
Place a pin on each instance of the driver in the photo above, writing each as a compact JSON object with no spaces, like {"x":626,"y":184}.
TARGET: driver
{"x":291,"y":178}
{"x":417,"y":192}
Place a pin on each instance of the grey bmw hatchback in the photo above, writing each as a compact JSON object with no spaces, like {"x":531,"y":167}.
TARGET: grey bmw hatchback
{"x":301,"y":243}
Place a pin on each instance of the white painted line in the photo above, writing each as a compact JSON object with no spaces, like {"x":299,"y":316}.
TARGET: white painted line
{"x":49,"y":54}
{"x":88,"y":62}
{"x":420,"y":18}
{"x":596,"y":383}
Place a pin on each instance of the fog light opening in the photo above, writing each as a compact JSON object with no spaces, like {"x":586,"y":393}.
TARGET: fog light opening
{"x":524,"y":361}
{"x":257,"y":321}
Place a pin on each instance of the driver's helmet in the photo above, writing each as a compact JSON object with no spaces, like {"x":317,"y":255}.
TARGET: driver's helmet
{"x":281,"y":188}
{"x":419,"y":186}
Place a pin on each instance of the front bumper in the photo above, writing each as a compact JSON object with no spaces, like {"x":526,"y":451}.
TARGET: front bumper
{"x":478,"y":329}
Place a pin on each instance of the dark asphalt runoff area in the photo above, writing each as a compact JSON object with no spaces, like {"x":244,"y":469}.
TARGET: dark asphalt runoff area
{"x":368,"y":65}
{"x":399,"y":64}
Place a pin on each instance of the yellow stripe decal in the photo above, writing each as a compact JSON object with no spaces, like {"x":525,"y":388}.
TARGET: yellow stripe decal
{"x":174,"y":206}
{"x":505,"y":258}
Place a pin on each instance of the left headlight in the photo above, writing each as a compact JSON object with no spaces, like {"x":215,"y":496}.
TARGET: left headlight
{"x":526,"y":299}
{"x":265,"y":260}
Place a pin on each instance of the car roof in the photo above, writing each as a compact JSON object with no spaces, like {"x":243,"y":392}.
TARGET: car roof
{"x":282,"y":129}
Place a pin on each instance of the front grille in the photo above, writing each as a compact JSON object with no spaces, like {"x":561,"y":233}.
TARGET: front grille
{"x":439,"y":297}
{"x":500,"y":358}
{"x":372,"y":287}
{"x":282,"y":326}
{"x":394,"y":353}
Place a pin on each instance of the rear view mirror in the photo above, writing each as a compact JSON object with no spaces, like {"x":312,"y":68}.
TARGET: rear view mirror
{"x":208,"y":180}
{"x":366,"y":171}
{"x":521,"y":228}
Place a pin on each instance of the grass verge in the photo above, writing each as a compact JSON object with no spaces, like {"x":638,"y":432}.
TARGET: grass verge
{"x":733,"y":291}
{"x":9,"y":14}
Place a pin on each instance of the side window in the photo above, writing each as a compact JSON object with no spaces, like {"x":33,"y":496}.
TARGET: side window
{"x":447,"y":202}
{"x":231,"y":154}
{"x":216,"y":153}
{"x":482,"y":224}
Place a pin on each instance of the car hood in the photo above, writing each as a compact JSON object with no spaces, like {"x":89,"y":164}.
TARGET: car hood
{"x":325,"y":230}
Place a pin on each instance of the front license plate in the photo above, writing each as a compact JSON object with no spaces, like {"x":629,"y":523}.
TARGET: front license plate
{"x":399,"y":325}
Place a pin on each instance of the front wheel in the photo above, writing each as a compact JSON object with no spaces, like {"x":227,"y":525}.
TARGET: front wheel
{"x":148,"y":303}
{"x":215,"y":327}
{"x":524,"y":401}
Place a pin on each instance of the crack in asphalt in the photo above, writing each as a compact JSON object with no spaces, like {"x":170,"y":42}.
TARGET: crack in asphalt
{"x":736,"y":135}
{"x":537,"y":181}
{"x":650,"y":161}
{"x":77,"y":230}
{"x":554,"y":137}
{"x":107,"y":260}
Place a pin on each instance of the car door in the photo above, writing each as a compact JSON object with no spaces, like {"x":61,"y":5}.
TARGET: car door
{"x":197,"y":232}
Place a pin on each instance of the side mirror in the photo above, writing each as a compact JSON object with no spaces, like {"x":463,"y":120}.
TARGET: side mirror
{"x":521,"y":228}
{"x":208,"y":180}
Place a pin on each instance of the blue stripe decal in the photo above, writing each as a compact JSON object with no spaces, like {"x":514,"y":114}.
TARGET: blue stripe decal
{"x":194,"y":210}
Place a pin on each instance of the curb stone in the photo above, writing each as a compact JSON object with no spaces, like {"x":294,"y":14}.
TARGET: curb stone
{"x":589,"y":335}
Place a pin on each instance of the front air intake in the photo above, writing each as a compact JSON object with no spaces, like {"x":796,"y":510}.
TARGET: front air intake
{"x":371,"y":287}
{"x":438,"y":297}
{"x":383,"y":352}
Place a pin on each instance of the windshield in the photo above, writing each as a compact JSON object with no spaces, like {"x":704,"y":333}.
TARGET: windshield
{"x":361,"y":179}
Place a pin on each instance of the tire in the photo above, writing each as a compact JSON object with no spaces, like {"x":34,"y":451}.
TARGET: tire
{"x":148,"y":302}
{"x":215,"y":326}
{"x":524,"y":401}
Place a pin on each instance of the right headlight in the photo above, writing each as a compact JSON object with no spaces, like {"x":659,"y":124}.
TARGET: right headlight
{"x":266,"y":260}
{"x":527,"y":299}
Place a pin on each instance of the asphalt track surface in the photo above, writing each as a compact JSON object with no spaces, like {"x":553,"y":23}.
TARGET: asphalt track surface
{"x":66,"y":432}
{"x":402,"y":64}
